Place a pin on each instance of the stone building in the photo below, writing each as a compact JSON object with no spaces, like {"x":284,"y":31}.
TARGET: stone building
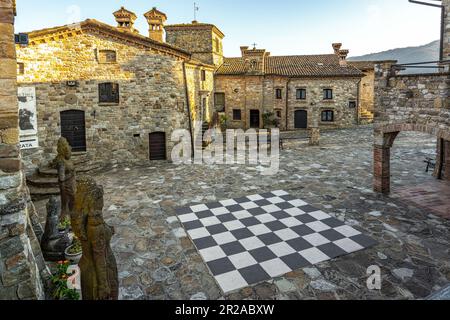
{"x":22,"y":267}
{"x":117,"y":95}
{"x":114,"y":94}
{"x":412,"y":102}
{"x":299,"y":91}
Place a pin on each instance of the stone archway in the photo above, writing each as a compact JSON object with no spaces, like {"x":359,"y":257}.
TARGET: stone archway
{"x":384,"y":139}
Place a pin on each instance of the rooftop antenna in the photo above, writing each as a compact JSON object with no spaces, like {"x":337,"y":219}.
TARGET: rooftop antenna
{"x":196,"y":8}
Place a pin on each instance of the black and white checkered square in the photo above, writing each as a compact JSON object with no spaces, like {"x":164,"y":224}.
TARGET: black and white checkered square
{"x":252,"y":239}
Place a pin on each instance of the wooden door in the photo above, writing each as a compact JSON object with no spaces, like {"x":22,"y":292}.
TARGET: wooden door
{"x":254,"y":119}
{"x":73,"y":128}
{"x":301,"y":119}
{"x":157,"y":146}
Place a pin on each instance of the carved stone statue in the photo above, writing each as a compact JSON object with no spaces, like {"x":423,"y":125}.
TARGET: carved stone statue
{"x":54,"y":242}
{"x":99,"y":277}
{"x":66,"y":177}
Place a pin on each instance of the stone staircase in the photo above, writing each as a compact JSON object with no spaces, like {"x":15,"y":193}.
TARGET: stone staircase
{"x":366,"y":117}
{"x":44,"y":182}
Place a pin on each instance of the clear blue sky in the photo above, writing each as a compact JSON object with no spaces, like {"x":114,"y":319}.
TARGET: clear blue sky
{"x":282,"y":27}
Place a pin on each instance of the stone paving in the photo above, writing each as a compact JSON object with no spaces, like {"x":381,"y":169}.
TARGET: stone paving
{"x":157,"y":260}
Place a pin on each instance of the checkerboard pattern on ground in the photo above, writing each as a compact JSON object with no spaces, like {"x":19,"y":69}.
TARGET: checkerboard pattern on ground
{"x":253,"y":239}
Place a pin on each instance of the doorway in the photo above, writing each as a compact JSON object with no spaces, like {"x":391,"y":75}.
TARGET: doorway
{"x":73,"y":128}
{"x":157,"y":146}
{"x":301,"y":119}
{"x":254,"y":119}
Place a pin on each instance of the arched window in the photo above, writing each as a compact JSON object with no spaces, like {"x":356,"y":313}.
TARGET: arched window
{"x":327,"y":116}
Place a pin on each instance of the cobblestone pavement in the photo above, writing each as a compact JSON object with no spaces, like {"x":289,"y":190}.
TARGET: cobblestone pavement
{"x":157,"y":261}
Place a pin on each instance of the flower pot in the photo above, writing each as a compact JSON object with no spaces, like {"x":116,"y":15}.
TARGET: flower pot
{"x":73,"y":258}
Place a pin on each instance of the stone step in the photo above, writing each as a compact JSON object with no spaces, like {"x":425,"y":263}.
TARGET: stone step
{"x":47,"y":172}
{"x":42,"y":193}
{"x":50,"y":172}
{"x":43,"y":181}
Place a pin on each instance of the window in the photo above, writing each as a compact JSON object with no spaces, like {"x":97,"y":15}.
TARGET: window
{"x":219,"y":102}
{"x":301,"y":94}
{"x":20,"y":68}
{"x":108,"y":92}
{"x":328,"y":94}
{"x":107,"y":56}
{"x":217,"y":44}
{"x":237,"y":116}
{"x":352,"y":104}
{"x":278,"y":113}
{"x":327,"y":116}
{"x":203,"y":75}
{"x":279,"y":93}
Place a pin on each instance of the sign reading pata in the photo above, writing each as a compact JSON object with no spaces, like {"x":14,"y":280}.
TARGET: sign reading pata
{"x":27,"y":117}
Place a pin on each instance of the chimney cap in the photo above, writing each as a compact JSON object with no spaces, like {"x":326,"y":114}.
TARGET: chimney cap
{"x":124,"y":13}
{"x":155,"y":13}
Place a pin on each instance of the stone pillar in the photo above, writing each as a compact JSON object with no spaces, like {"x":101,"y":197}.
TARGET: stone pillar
{"x":20,"y":256}
{"x":382,"y":161}
{"x":382,"y":169}
{"x":446,"y":164}
{"x":314,"y":138}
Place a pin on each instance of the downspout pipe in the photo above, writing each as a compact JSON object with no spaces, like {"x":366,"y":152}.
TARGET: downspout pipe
{"x":188,"y":107}
{"x":358,"y":107}
{"x":287,"y":103}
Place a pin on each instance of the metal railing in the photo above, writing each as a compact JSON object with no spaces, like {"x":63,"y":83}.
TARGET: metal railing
{"x":441,"y":64}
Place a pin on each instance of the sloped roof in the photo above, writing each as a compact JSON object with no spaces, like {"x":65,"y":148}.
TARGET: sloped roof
{"x":293,"y":66}
{"x":94,"y":25}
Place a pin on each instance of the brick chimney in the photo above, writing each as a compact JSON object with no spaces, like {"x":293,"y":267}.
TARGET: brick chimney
{"x":125,"y":20}
{"x":156,"y":20}
{"x":337,"y":47}
{"x":343,"y":57}
{"x":243,"y":49}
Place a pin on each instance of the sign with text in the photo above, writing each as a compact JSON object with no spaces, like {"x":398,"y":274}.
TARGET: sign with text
{"x":28,"y":117}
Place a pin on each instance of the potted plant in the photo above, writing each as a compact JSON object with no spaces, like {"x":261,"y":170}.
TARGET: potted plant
{"x":269,"y":120}
{"x":64,"y":225}
{"x":74,"y":252}
{"x":223,"y":122}
{"x":59,"y":280}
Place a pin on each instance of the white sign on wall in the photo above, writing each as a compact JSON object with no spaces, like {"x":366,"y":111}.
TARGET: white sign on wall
{"x":28,"y":118}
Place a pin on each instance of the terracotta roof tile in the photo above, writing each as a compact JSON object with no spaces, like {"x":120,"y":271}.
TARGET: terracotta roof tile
{"x":293,"y":66}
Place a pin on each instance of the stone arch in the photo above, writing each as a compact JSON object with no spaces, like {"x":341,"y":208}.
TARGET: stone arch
{"x":385,"y":136}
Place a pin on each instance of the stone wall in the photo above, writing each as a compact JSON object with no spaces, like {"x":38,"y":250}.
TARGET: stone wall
{"x":366,"y":94}
{"x":151,"y":85}
{"x":21,"y":261}
{"x":198,"y":39}
{"x":418,"y":99}
{"x":199,"y":90}
{"x":259,"y":92}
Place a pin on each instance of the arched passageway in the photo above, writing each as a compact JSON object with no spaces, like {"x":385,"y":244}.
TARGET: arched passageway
{"x":435,"y":192}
